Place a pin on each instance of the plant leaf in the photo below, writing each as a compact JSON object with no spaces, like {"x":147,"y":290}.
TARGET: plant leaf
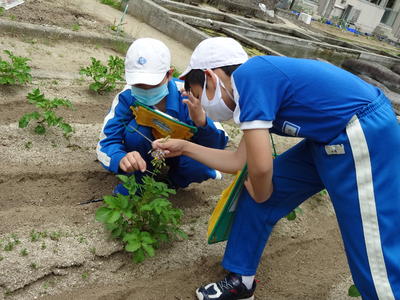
{"x":353,"y":291}
{"x":149,"y":249}
{"x":102,"y":214}
{"x":133,"y":246}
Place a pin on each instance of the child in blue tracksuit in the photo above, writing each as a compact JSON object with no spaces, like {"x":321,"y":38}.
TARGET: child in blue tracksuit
{"x":123,"y":150}
{"x":351,"y":147}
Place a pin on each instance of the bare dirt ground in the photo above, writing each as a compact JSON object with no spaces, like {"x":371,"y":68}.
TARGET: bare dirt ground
{"x":42,"y":178}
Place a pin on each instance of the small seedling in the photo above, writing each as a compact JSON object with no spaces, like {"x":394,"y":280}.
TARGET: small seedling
{"x":47,"y":116}
{"x":28,"y":145}
{"x":33,"y":266}
{"x":43,"y":246}
{"x":35,"y":236}
{"x":75,"y":27}
{"x":9,"y":246}
{"x":16,"y":71}
{"x":24,"y":252}
{"x":2,"y":10}
{"x":323,"y":193}
{"x":85,"y":275}
{"x":82,"y":240}
{"x":55,"y":236}
{"x":93,"y":250}
{"x":13,"y":17}
{"x":104,"y":77}
{"x":293,"y":214}
{"x":1,"y":258}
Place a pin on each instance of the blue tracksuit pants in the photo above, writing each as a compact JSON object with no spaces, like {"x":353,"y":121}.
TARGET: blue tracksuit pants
{"x":364,"y":186}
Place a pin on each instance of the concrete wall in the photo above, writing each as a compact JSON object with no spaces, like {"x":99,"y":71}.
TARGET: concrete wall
{"x":163,"y":20}
{"x":369,"y":18}
{"x":370,"y":15}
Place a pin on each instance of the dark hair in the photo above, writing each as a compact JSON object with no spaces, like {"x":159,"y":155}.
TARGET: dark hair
{"x":196,"y":76}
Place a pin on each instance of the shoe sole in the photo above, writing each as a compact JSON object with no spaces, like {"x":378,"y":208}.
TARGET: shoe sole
{"x":200,"y":296}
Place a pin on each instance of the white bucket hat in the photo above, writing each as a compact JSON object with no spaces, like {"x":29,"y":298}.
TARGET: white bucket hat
{"x":147,"y":62}
{"x":214,"y":53}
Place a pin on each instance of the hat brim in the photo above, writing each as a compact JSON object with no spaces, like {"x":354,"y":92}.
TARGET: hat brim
{"x":144,"y":78}
{"x":183,"y":75}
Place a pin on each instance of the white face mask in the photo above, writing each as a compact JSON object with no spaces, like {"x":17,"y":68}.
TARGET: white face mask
{"x":216,"y":108}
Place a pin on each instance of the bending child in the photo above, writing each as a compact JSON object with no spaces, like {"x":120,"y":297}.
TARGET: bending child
{"x":351,"y":147}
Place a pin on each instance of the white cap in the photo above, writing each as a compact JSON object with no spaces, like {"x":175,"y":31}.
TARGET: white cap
{"x":214,"y":53}
{"x":147,"y":62}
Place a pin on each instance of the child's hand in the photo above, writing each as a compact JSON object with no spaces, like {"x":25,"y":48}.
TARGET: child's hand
{"x":170,"y":147}
{"x":196,"y":111}
{"x":132,"y":161}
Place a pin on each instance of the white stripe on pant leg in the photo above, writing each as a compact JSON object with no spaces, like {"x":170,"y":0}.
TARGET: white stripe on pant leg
{"x":369,"y":216}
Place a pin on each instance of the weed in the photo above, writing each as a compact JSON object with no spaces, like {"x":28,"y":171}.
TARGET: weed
{"x":16,"y":71}
{"x":120,"y":47}
{"x":24,"y":252}
{"x":13,"y":17}
{"x":2,"y":10}
{"x":9,"y":246}
{"x":85,"y":275}
{"x":104,"y":77}
{"x":35,"y":236}
{"x":82,"y":240}
{"x":47,"y":116}
{"x":33,"y":266}
{"x":75,"y":27}
{"x":1,"y":258}
{"x":113,"y":3}
{"x":45,"y":285}
{"x":323,"y":193}
{"x":293,"y":214}
{"x":55,"y":235}
{"x":28,"y":145}
{"x":143,"y":219}
{"x":15,"y":238}
{"x":55,"y":82}
{"x":353,"y":291}
{"x":43,"y":246}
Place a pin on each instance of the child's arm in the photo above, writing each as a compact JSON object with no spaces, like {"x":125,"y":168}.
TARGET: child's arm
{"x":255,"y":148}
{"x":259,"y":164}
{"x":223,"y":160}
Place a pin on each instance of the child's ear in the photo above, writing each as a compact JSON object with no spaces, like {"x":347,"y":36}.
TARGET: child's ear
{"x":170,"y":72}
{"x":210,"y":75}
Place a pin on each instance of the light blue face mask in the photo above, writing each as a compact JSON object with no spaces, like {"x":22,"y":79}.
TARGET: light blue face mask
{"x":152,"y":96}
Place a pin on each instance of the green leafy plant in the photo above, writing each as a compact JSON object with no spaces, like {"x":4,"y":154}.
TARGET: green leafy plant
{"x":293,"y":214}
{"x":144,"y":219}
{"x":16,"y":71}
{"x":353,"y":291}
{"x":117,"y":4}
{"x":104,"y":77}
{"x":75,"y":27}
{"x":47,"y":115}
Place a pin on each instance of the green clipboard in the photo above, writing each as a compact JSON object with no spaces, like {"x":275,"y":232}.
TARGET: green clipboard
{"x":220,"y":222}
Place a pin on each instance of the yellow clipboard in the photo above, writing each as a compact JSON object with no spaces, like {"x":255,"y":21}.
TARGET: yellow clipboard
{"x":162,"y":124}
{"x":220,"y":222}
